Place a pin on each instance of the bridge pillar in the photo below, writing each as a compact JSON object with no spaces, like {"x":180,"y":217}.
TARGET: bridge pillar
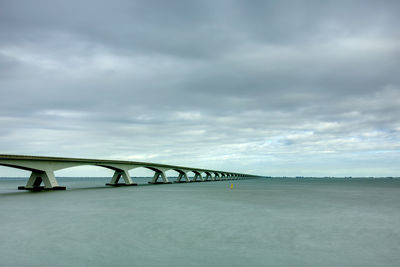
{"x":183,"y":175}
{"x":37,"y":177}
{"x":158,"y":174}
{"x":216,"y":176}
{"x":117,"y":176}
{"x":197,"y":175}
{"x":208,"y":176}
{"x":212,"y":177}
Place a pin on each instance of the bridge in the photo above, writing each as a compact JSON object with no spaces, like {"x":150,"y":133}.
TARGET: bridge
{"x":43,"y":168}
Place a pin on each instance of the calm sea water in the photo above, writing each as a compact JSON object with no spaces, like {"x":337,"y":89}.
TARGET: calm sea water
{"x":260,"y":222}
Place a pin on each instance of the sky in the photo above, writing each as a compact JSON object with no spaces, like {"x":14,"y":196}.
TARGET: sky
{"x":280,"y":88}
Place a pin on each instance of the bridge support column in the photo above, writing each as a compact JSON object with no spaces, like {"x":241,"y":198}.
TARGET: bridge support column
{"x":157,"y":175}
{"x":212,"y":178}
{"x":37,"y":177}
{"x":197,"y":175}
{"x":117,"y":176}
{"x":183,"y":175}
{"x":208,"y":177}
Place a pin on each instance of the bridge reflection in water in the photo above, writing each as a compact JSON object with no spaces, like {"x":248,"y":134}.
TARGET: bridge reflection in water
{"x":43,"y":169}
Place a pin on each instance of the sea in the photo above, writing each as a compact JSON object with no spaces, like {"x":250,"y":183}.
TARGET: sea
{"x":255,"y":222}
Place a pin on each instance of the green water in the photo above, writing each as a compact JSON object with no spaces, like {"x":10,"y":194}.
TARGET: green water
{"x":260,"y":222}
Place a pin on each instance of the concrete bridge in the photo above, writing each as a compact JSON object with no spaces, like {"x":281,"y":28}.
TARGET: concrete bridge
{"x":43,"y":169}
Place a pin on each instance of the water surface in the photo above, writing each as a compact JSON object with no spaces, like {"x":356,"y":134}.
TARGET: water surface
{"x":260,"y":222}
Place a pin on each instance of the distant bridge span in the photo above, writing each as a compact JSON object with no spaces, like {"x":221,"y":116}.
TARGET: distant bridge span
{"x":43,"y":168}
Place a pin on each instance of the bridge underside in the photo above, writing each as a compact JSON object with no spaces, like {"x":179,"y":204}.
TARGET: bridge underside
{"x":42,"y":171}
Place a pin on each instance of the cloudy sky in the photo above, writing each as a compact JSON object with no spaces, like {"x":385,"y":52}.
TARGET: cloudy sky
{"x":266,"y":87}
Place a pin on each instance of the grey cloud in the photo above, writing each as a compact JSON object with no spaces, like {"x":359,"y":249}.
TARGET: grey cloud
{"x":259,"y":86}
